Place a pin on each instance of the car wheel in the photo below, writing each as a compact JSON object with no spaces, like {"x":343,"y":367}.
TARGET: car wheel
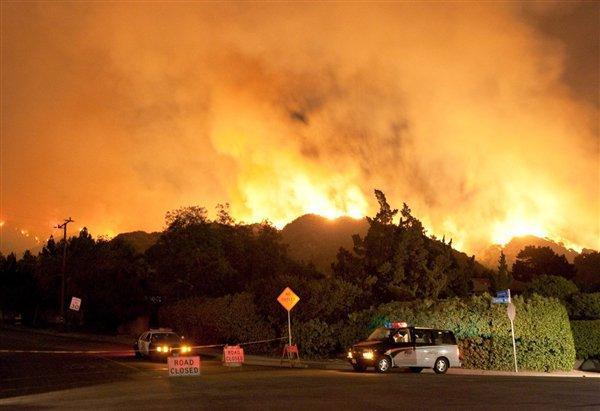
{"x":416,"y":370}
{"x":359,"y":367}
{"x":383,"y":364}
{"x":440,"y":366}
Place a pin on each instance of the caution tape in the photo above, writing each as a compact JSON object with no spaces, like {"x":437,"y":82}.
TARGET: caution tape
{"x":125,"y":351}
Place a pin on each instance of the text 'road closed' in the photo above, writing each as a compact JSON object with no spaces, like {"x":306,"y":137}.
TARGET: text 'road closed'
{"x":183,"y":366}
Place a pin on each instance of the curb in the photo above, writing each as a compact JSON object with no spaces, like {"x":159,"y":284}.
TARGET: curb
{"x":276,"y":362}
{"x":339,"y":365}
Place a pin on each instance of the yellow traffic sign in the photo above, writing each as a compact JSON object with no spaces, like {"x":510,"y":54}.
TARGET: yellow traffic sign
{"x":288,"y":298}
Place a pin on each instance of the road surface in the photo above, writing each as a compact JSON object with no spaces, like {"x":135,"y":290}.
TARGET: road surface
{"x":117,"y":381}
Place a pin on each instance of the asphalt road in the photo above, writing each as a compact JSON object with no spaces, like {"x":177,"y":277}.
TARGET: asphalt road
{"x":117,"y":381}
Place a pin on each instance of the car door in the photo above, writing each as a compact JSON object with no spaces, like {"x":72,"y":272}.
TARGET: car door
{"x":425,"y":349}
{"x":145,"y":344}
{"x":402,"y":351}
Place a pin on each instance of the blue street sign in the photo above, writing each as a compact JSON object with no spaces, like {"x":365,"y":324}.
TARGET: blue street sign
{"x":502,"y":294}
{"x":500,"y":300}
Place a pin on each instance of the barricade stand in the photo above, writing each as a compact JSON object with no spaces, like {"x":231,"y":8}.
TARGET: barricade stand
{"x":233,"y":356}
{"x":290,"y":353}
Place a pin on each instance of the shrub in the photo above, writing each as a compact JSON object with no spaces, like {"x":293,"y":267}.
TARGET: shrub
{"x":230,"y":319}
{"x":584,"y":306}
{"x":587,"y":338}
{"x":551,"y":286}
{"x":315,"y":338}
{"x":543,"y":335}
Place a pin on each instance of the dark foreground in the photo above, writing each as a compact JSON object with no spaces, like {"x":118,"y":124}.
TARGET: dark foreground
{"x":116,"y":381}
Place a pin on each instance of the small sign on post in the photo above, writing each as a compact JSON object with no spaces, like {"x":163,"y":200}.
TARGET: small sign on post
{"x":511,"y":311}
{"x":502,"y":297}
{"x":183,"y":366}
{"x":288,"y":299}
{"x":233,"y":356}
{"x":75,"y":304}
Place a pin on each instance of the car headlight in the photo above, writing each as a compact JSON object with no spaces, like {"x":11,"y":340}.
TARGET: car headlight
{"x":349,"y":354}
{"x":185,"y":348}
{"x":368,"y":355}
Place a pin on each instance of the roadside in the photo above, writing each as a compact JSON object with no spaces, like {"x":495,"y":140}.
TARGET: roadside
{"x":341,"y":365}
{"x":326,"y":364}
{"x":117,"y":339}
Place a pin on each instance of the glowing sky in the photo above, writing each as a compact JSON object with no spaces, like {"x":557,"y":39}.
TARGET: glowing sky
{"x":483,"y":117}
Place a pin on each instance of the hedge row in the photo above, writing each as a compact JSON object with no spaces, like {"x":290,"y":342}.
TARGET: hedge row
{"x":584,"y":306}
{"x":542,"y":331}
{"x":230,"y":319}
{"x":587,"y":338}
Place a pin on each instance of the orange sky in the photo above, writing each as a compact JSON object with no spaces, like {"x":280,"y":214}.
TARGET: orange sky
{"x":484,"y":118}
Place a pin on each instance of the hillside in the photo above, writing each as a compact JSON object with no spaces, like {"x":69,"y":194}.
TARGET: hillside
{"x":316,"y":239}
{"x":139,"y":240}
{"x":489,"y":256}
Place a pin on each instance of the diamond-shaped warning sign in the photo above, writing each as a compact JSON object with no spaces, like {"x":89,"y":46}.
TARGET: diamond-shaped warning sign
{"x":288,"y":298}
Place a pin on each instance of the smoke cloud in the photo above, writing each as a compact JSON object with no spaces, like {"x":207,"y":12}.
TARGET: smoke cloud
{"x":115,"y":113}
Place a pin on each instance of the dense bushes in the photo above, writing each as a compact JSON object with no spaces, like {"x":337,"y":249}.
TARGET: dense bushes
{"x":316,"y":338}
{"x":230,"y":319}
{"x":584,"y":306}
{"x":587,"y":338}
{"x":551,"y":286}
{"x":542,"y":331}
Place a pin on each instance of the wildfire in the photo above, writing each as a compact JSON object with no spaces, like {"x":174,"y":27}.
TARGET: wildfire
{"x":505,"y":231}
{"x":288,"y":200}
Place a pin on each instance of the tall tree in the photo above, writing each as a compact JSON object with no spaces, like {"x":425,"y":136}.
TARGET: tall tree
{"x":501,"y":279}
{"x":587,"y":266}
{"x":399,"y":261}
{"x":535,"y":261}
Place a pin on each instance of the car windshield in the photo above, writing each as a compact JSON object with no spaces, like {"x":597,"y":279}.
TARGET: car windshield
{"x":164,"y":337}
{"x":379,"y":334}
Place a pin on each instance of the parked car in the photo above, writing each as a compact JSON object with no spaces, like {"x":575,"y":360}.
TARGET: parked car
{"x":161,"y":343}
{"x":398,"y":345}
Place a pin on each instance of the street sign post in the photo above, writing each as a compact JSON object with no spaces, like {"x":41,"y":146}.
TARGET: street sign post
{"x":503,"y":293}
{"x":503,"y":297}
{"x":288,"y":299}
{"x":511,"y":311}
{"x":75,"y":304}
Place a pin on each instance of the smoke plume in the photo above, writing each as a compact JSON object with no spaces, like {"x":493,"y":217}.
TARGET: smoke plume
{"x":115,"y":113}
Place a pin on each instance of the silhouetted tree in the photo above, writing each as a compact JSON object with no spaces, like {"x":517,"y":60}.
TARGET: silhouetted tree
{"x":535,"y":261}
{"x":398,"y":261}
{"x":587,"y":267}
{"x":501,"y":279}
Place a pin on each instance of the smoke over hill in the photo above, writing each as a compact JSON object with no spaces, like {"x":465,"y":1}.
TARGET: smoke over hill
{"x":469,"y":112}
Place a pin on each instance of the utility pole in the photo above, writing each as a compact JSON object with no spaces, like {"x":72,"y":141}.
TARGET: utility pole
{"x":64,"y":267}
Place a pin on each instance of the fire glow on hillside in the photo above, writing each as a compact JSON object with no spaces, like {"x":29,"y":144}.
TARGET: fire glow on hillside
{"x":468,"y":112}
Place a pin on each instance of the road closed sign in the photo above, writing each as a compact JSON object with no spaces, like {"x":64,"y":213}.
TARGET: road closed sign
{"x":233,"y":355}
{"x":183,"y":366}
{"x":288,"y":299}
{"x":75,"y":304}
